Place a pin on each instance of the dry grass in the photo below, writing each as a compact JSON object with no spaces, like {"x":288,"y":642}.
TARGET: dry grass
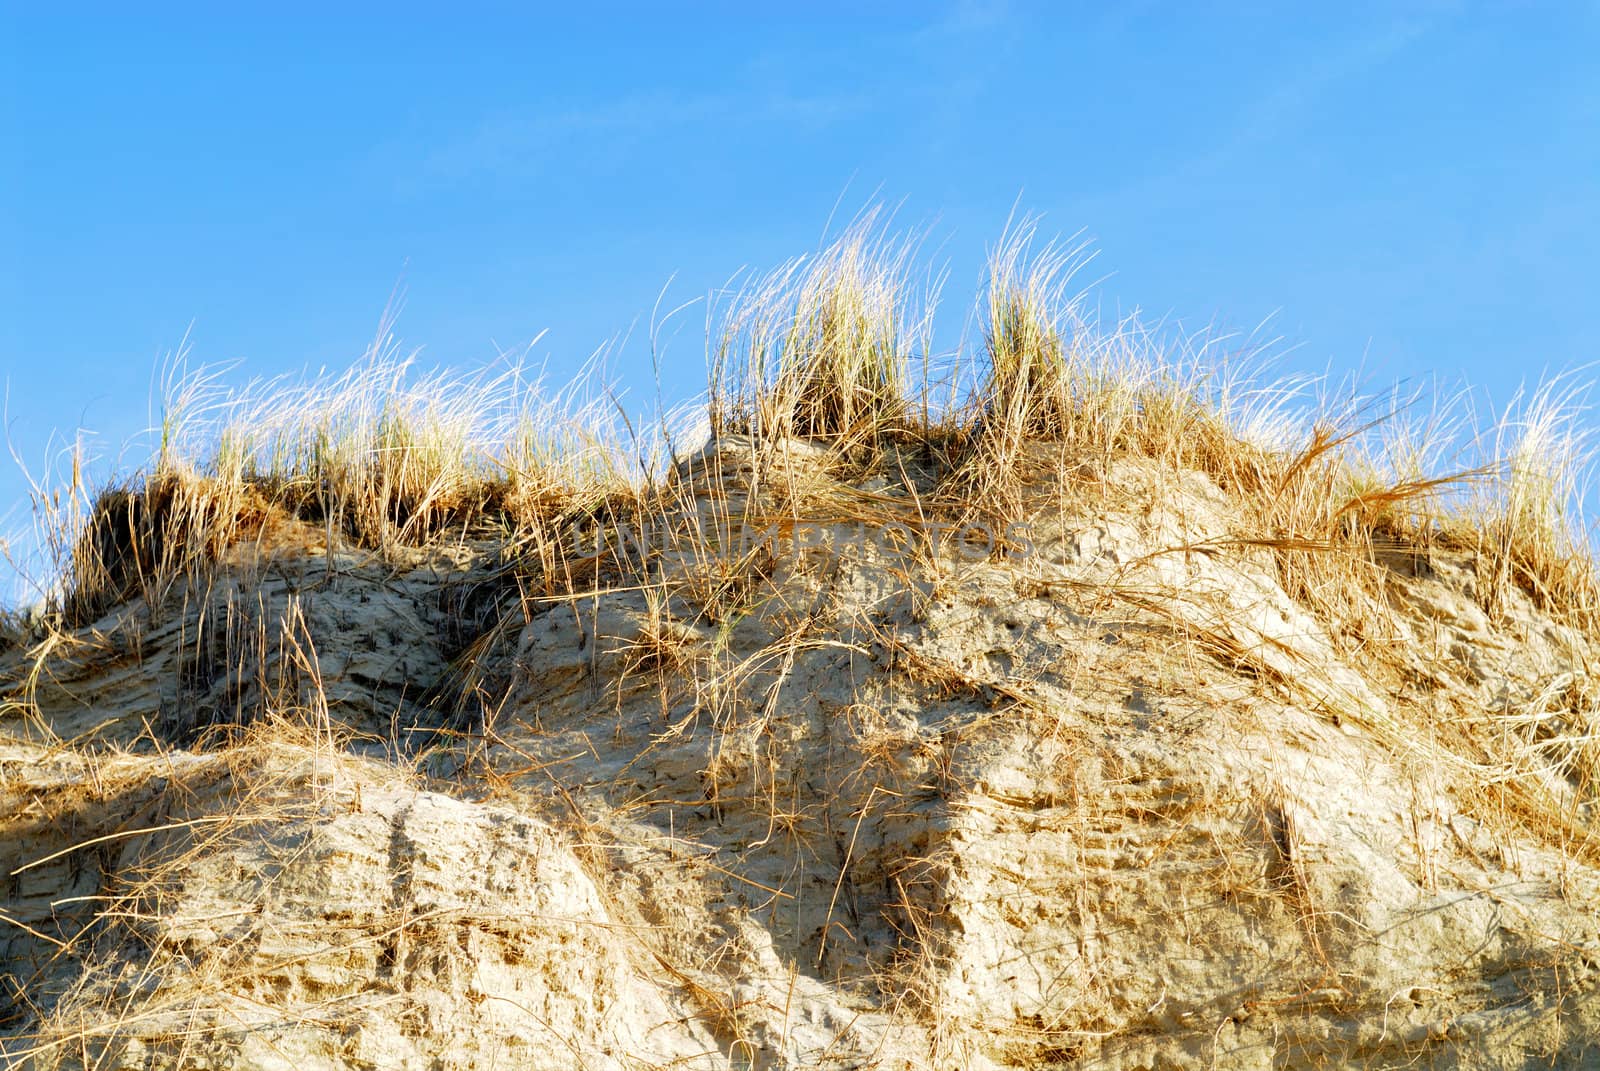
{"x":167,"y":812}
{"x":1528,"y":527}
{"x":819,"y":352}
{"x":813,"y":394}
{"x":1054,"y":377}
{"x":811,"y":364}
{"x":821,"y":347}
{"x":376,"y":458}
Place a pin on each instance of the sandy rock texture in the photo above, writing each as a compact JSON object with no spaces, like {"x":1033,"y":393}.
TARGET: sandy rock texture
{"x":1126,"y":800}
{"x":298,"y":909}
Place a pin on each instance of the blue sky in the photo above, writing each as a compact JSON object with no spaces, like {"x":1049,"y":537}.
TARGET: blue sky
{"x":1409,"y":189}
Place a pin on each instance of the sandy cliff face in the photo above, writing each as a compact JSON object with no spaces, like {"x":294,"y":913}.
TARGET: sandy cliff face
{"x":1117,"y":795}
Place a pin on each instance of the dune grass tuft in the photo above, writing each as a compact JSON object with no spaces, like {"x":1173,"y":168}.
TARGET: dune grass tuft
{"x":377,"y":458}
{"x":1530,"y":529}
{"x":820,"y":348}
{"x":1027,"y":393}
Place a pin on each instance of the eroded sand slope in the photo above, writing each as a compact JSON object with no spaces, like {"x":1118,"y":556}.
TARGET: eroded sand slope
{"x":1125,"y":800}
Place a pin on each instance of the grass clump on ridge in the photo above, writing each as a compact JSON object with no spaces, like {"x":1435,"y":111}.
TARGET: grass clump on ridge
{"x":1059,"y":390}
{"x":1027,"y":392}
{"x":820,"y":348}
{"x":1530,"y":532}
{"x":372,"y":459}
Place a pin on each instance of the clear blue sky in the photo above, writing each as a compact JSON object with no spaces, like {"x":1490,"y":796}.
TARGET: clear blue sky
{"x":1415,"y":188}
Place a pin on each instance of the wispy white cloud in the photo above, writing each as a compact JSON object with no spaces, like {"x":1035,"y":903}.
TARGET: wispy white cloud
{"x":772,"y":86}
{"x":1276,"y":107}
{"x":1281,"y":104}
{"x":969,"y":17}
{"x":527,"y":143}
